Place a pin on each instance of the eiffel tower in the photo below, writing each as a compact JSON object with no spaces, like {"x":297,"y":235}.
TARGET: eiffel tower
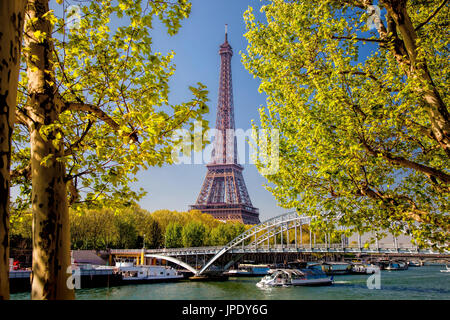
{"x":224,"y":194}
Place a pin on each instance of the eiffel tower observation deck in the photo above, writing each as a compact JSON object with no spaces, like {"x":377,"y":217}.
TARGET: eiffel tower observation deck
{"x":224,"y":194}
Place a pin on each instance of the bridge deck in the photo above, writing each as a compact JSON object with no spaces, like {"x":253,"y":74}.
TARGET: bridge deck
{"x":278,"y":249}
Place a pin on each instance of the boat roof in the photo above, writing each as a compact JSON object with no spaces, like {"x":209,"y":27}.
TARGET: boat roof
{"x":288,"y":271}
{"x":139,"y":267}
{"x":87,"y":257}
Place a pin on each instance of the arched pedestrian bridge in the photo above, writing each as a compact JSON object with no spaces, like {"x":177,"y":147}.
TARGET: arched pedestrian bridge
{"x":262,"y":238}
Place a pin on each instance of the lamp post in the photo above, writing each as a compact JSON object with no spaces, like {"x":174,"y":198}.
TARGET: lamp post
{"x":142,"y":252}
{"x":143,"y":243}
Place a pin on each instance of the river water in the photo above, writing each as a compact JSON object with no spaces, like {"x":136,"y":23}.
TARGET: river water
{"x":415,"y":283}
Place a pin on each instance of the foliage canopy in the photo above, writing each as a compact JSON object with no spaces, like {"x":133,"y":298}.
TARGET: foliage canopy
{"x":362,"y":112}
{"x":111,"y":90}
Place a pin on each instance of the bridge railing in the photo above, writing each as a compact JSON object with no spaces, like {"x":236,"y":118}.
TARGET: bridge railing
{"x":191,"y":249}
{"x":304,"y":246}
{"x":320,"y":246}
{"x":126,"y":251}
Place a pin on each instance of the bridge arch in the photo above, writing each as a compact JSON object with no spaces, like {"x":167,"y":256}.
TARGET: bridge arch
{"x":267,"y":225}
{"x":172,"y":259}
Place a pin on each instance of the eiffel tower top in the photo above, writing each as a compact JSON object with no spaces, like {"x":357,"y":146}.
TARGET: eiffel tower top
{"x":226,"y":33}
{"x":225,"y":48}
{"x":225,"y":145}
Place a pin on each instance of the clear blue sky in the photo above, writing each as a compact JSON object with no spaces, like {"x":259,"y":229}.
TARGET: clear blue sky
{"x":197,"y":60}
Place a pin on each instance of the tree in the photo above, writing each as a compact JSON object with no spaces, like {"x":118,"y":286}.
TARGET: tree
{"x":20,"y":230}
{"x":93,"y":106}
{"x":127,"y":233}
{"x":362,"y":113}
{"x":193,"y":234}
{"x":173,"y":237}
{"x":93,"y":229}
{"x":164,"y":217}
{"x":217,"y":236}
{"x":153,"y":237}
{"x":147,"y":227}
{"x":225,"y":232}
{"x":11,"y":15}
{"x":125,"y":227}
{"x":204,"y":218}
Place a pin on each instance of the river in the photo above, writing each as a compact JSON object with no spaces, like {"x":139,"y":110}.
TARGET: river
{"x":415,"y":283}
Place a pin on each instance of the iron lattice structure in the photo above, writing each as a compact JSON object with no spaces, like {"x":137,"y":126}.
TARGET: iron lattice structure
{"x":224,"y":194}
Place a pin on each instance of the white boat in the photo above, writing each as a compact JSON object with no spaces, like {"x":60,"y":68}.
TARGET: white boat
{"x":85,"y":269}
{"x":331,"y":268}
{"x":447,"y":269}
{"x":133,"y":273}
{"x":396,"y":265}
{"x":239,"y":272}
{"x":124,"y":264}
{"x":365,"y":268}
{"x":249,"y":270}
{"x":372,"y":268}
{"x":17,"y":274}
{"x":295,"y":277}
{"x":148,"y":274}
{"x":415,"y":263}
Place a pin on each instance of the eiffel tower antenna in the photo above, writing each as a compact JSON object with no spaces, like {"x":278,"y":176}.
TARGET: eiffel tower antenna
{"x":224,"y":194}
{"x":226,"y":33}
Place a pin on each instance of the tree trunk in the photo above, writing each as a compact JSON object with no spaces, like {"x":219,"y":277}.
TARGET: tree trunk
{"x":436,"y":107}
{"x":11,"y":26}
{"x":51,"y":234}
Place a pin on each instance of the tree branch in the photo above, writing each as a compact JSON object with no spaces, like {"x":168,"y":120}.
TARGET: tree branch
{"x":371,"y":76}
{"x":429,"y":171}
{"x":436,"y":106}
{"x":100,"y":114}
{"x":393,"y":201}
{"x":22,"y":172}
{"x":74,"y":145}
{"x":359,"y":39}
{"x":22,"y":117}
{"x":431,"y":16}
